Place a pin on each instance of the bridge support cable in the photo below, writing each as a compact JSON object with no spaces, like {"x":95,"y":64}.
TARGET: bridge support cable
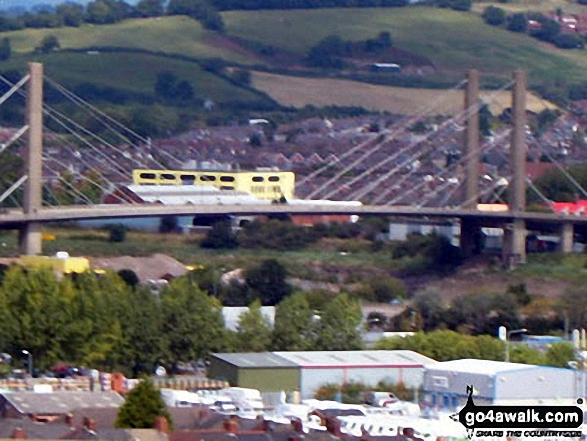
{"x":14,"y":88}
{"x":14,"y":138}
{"x":94,"y":111}
{"x":496,"y":185}
{"x":533,"y":187}
{"x":107,"y":190}
{"x":12,"y":188}
{"x":47,"y":110}
{"x":559,"y":166}
{"x":487,"y":147}
{"x":85,"y":178}
{"x":56,"y":115}
{"x":115,"y":167}
{"x":403,"y":125}
{"x":422,"y":184}
{"x":360,"y":193}
{"x":53,"y":112}
{"x":71,"y":186}
{"x":375,"y":184}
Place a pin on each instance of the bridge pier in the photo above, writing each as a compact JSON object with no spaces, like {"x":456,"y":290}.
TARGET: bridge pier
{"x":30,"y":235}
{"x":29,"y":239}
{"x":567,"y":234}
{"x":470,"y":240}
{"x":514,"y":243}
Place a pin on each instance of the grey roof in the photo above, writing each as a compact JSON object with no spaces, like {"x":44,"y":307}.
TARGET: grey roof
{"x":57,"y":403}
{"x":356,"y":358}
{"x":32,"y":429}
{"x":256,"y":360}
{"x":484,"y":367}
{"x":322,"y":359}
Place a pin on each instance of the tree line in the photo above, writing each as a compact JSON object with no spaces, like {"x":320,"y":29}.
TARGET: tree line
{"x":547,"y":29}
{"x":101,"y":12}
{"x":445,"y":345}
{"x":104,"y":323}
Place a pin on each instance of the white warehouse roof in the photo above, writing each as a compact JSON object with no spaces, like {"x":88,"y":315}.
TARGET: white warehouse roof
{"x":483,"y":367}
{"x":357,"y":359}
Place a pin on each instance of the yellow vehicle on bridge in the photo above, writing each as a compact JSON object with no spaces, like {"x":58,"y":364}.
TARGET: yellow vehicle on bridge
{"x":263,"y":184}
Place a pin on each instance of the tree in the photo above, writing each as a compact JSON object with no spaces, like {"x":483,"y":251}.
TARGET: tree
{"x":295,"y":324}
{"x":98,"y":12}
{"x":49,"y":43}
{"x":549,"y":29}
{"x":117,"y":233}
{"x":517,"y":22}
{"x":150,"y":8}
{"x":253,"y":330}
{"x":384,"y":39}
{"x":559,"y":355}
{"x":429,"y":304}
{"x":220,"y":236}
{"x":5,"y":49}
{"x":168,"y":224}
{"x":242,"y":76}
{"x":573,"y":303}
{"x":339,"y":325}
{"x":165,"y":85}
{"x":255,"y":139}
{"x":268,"y":282}
{"x":129,"y":277}
{"x":71,"y":13}
{"x":494,"y":16}
{"x":192,"y":321}
{"x":142,"y":406}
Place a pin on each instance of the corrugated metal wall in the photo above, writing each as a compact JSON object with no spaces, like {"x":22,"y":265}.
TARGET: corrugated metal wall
{"x":539,"y":383}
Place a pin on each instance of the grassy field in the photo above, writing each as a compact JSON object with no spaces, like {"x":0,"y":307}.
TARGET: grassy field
{"x":176,"y":35}
{"x":298,"y":92}
{"x":185,"y":248}
{"x":132,"y":72}
{"x":453,"y":41}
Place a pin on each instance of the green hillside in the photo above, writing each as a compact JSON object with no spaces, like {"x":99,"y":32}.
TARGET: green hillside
{"x":453,"y":41}
{"x":132,"y":72}
{"x":177,"y":35}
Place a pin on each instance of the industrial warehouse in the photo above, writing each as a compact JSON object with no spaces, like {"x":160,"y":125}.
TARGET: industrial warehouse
{"x":307,"y":371}
{"x":496,"y":382}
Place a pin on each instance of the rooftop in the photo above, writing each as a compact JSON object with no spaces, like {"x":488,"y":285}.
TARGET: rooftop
{"x":484,"y":367}
{"x":356,"y":358}
{"x":57,"y":403}
{"x":255,"y":360}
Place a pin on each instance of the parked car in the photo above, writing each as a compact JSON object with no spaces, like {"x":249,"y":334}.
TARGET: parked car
{"x":380,"y":399}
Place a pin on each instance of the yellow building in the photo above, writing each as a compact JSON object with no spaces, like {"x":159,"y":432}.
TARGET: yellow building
{"x":268,"y":185}
{"x":61,"y":263}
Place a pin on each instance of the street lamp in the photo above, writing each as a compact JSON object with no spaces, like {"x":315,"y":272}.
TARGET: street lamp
{"x":30,"y":361}
{"x":505,"y":335}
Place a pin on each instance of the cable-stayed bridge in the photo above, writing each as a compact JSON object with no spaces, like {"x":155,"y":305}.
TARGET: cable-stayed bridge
{"x":386,"y":186}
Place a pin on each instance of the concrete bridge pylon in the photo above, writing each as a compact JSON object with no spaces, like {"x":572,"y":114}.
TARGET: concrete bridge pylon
{"x":30,"y":240}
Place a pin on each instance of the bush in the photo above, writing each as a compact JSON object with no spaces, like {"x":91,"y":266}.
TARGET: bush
{"x":129,"y":277}
{"x":276,"y":234}
{"x":117,"y":233}
{"x":386,"y":289}
{"x":494,"y":16}
{"x":220,"y":237}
